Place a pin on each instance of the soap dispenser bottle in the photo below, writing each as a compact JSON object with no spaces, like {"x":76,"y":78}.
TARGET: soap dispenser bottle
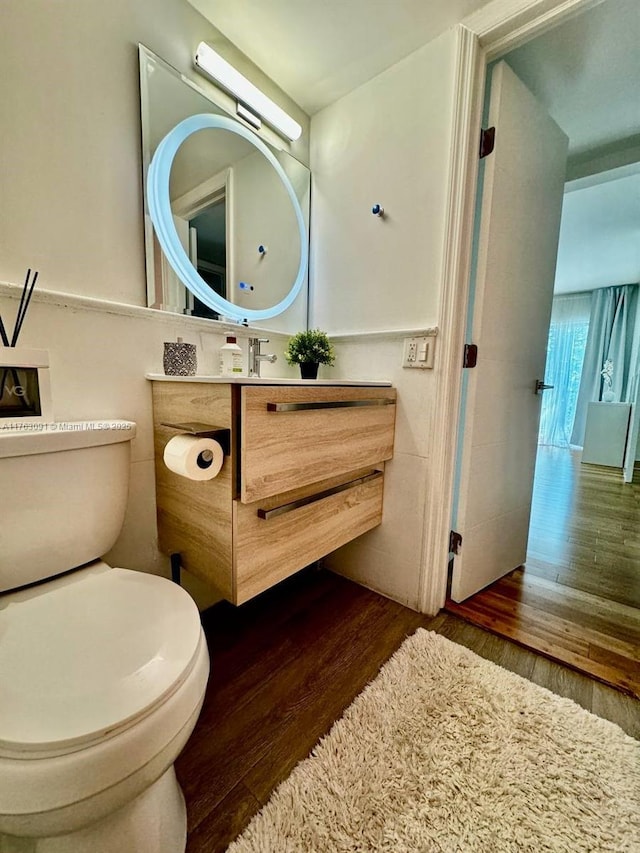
{"x":231,"y":358}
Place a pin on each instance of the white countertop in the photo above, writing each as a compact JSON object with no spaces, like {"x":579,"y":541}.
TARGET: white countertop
{"x":246,"y":380}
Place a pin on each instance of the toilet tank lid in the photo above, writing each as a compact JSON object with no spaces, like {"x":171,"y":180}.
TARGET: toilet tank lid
{"x":48,"y":437}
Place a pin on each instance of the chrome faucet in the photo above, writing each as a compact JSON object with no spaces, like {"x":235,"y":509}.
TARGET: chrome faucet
{"x":255,"y":356}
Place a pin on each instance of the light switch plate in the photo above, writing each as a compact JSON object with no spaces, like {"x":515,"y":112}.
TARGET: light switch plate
{"x":418,"y":352}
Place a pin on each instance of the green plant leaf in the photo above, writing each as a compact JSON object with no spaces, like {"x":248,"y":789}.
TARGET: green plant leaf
{"x":310,"y":346}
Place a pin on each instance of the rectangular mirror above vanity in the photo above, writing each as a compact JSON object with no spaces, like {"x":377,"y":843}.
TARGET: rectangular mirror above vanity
{"x":303,"y":476}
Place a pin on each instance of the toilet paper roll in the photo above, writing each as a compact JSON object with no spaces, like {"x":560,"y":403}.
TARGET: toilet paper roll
{"x":193,"y":457}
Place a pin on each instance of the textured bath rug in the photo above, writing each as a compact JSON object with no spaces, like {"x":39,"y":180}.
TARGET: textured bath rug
{"x":446,"y":751}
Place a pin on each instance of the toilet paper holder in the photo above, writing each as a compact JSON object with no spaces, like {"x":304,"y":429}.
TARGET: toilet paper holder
{"x":220,"y":434}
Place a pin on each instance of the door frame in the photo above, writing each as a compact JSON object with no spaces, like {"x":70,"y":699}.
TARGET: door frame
{"x":492,"y":31}
{"x":203,"y":195}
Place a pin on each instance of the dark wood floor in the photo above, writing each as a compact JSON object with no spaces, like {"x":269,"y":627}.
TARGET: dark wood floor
{"x":285,"y":666}
{"x":577,"y":597}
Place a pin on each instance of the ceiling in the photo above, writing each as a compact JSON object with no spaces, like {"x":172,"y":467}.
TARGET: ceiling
{"x":586,"y":71}
{"x":600,"y":232}
{"x":318,"y":50}
{"x":587,"y":74}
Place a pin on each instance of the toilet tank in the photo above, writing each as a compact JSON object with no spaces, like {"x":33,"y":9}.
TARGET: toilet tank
{"x":63,"y":495}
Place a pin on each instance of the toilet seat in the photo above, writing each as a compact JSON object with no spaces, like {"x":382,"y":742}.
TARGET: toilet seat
{"x":89,"y":654}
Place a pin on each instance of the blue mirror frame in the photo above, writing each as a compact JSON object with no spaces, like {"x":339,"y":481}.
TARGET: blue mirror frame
{"x":160,"y":211}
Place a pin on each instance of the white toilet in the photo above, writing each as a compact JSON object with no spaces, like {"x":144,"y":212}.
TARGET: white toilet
{"x":102,"y":670}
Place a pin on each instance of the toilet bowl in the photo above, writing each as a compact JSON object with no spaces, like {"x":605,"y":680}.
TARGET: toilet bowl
{"x":102,"y":672}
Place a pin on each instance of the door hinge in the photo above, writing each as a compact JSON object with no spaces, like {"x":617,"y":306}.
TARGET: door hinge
{"x":470,"y":355}
{"x":487,"y":141}
{"x":455,"y":542}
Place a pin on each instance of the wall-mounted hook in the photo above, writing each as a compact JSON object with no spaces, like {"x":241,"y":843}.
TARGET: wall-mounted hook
{"x":262,"y":250}
{"x":377,"y":210}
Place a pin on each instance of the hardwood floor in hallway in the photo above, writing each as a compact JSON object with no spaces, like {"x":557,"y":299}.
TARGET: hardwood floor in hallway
{"x":585,"y":527}
{"x":577,"y":599}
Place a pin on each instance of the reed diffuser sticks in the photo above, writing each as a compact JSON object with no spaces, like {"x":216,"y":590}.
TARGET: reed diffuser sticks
{"x":25,"y":299}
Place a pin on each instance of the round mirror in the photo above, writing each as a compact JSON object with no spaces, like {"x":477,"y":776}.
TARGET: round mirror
{"x":162,"y":216}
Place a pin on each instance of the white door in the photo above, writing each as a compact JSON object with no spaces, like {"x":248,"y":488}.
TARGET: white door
{"x":517,"y":247}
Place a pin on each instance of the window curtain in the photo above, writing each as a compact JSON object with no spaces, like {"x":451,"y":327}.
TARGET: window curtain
{"x":565,"y":355}
{"x":612,"y":335}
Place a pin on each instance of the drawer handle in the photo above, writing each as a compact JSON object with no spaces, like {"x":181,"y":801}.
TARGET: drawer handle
{"x":319,"y":496}
{"x":329,"y":404}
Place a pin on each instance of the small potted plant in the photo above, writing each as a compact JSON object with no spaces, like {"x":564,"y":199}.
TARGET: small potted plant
{"x":309,"y":349}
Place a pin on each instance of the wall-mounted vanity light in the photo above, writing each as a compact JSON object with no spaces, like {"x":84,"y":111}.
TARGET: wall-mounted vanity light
{"x":212,"y":64}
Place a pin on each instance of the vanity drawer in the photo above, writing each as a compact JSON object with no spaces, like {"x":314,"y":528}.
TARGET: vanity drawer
{"x":275,"y":537}
{"x":293,"y":436}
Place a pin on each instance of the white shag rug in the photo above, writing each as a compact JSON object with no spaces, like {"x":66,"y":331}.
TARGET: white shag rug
{"x":445,"y":751}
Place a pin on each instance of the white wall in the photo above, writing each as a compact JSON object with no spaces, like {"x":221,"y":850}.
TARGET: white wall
{"x":388,"y":558}
{"x":71,"y":207}
{"x":387,"y":142}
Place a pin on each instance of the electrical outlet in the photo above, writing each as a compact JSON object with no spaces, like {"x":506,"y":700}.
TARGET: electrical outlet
{"x":418,"y":352}
{"x":410,"y":350}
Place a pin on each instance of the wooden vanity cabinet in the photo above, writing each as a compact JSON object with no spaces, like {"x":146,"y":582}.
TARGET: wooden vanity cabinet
{"x":304,"y":476}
